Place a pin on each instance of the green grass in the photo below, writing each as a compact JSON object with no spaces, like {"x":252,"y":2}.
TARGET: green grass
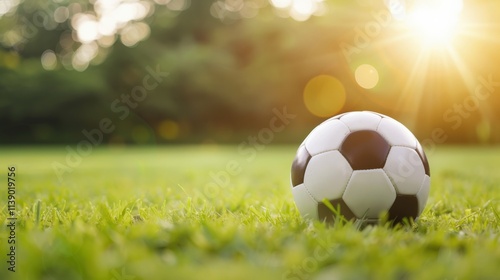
{"x":145,"y":213}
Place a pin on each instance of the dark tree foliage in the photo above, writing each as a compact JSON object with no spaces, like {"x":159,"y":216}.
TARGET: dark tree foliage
{"x":231,"y":65}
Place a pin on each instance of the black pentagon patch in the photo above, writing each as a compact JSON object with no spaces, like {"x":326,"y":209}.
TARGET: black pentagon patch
{"x":365,"y":149}
{"x":326,"y":214}
{"x":404,"y":206}
{"x":299,"y":165}
{"x":423,"y":157}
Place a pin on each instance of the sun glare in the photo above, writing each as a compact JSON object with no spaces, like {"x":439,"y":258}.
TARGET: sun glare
{"x":435,"y":22}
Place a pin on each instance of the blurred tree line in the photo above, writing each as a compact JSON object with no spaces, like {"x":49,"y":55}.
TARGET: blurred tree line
{"x":229,"y":64}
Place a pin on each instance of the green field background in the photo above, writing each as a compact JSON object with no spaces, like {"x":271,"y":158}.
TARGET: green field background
{"x":154,"y":213}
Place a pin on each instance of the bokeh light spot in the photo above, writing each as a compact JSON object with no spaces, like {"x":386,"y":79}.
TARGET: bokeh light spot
{"x":168,"y":129}
{"x":61,"y":14}
{"x":49,"y":60}
{"x":324,"y":96}
{"x":86,"y":28}
{"x":250,"y":10}
{"x":302,"y":9}
{"x":7,"y":6}
{"x":178,"y":5}
{"x":83,"y":55}
{"x":281,"y":4}
{"x":106,"y":41}
{"x":133,"y":33}
{"x":366,"y":76}
{"x":299,"y":10}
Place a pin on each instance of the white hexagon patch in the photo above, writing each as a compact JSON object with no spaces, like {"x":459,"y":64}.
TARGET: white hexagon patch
{"x":327,"y":136}
{"x":327,"y":175}
{"x":369,"y":193}
{"x":307,"y":206}
{"x":406,"y":170}
{"x":396,"y":133}
{"x":361,"y":121}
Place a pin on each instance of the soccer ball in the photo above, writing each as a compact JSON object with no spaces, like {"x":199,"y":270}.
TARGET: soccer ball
{"x":364,"y":164}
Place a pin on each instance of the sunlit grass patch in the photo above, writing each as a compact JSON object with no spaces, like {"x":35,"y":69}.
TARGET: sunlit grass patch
{"x":143,"y":213}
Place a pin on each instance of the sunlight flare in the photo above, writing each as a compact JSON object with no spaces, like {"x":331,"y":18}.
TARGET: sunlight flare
{"x":435,"y":22}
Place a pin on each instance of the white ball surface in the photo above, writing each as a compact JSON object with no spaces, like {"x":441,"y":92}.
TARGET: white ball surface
{"x":370,"y":201}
